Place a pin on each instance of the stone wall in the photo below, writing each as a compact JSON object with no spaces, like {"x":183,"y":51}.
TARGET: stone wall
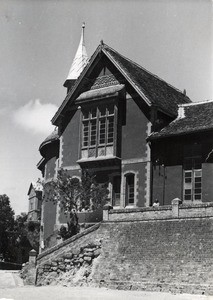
{"x":174,"y":254}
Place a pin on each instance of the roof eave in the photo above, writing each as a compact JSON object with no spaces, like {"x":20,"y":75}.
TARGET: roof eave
{"x":153,"y":137}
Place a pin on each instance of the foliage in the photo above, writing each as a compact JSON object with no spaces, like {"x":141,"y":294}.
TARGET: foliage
{"x":14,"y":242}
{"x":27,"y":232}
{"x":6,"y":225}
{"x":75,"y":195}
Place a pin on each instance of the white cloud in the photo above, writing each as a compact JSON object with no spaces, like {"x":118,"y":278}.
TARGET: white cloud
{"x":35,"y":117}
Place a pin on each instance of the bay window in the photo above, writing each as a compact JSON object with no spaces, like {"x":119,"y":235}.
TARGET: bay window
{"x":98,"y":131}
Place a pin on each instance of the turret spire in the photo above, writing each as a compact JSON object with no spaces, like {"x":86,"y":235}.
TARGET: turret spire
{"x":79,"y":62}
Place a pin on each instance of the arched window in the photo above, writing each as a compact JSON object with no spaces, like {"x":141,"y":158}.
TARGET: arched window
{"x":130,"y":189}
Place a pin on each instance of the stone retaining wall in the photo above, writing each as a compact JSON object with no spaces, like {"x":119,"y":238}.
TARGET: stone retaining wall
{"x":71,"y":267}
{"x":171,"y":254}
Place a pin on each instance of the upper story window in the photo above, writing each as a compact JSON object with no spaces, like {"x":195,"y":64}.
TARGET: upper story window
{"x":98,"y":131}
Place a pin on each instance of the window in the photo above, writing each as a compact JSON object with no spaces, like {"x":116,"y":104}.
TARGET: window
{"x":98,"y":130}
{"x":116,"y":191}
{"x":130,"y":189}
{"x":193,"y":179}
{"x":31,"y":205}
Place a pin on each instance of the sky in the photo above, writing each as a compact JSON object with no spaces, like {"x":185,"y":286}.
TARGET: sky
{"x":171,"y":38}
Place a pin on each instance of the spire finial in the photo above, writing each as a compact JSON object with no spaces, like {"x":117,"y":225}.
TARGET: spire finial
{"x":82,"y":33}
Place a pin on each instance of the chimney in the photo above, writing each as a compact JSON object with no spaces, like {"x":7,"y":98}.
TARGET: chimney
{"x":181,"y":112}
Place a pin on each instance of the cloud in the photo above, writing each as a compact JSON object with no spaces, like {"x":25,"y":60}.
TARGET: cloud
{"x":35,"y":117}
{"x":3,"y":111}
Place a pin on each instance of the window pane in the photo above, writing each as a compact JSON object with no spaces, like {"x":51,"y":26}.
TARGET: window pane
{"x":188,"y":191}
{"x":130,"y":188}
{"x":102,"y":131}
{"x":198,"y":197}
{"x":188,"y":197}
{"x":188,"y":180}
{"x":188,"y":174}
{"x":110,"y":130}
{"x":198,"y":173}
{"x":85,"y":134}
{"x":93,"y":133}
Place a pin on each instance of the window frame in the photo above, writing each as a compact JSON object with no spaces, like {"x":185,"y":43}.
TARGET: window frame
{"x":98,"y":148}
{"x":191,"y":192}
{"x":128,"y":187}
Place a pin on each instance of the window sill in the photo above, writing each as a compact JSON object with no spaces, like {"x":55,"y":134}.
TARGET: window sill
{"x":100,"y":160}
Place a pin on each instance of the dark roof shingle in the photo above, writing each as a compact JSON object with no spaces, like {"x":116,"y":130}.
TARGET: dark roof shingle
{"x":159,"y":92}
{"x":151,"y":88}
{"x":197,"y":117}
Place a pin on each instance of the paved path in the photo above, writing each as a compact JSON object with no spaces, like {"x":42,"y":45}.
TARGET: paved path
{"x":12,"y":288}
{"x":9,"y":279}
{"x":76,"y":293}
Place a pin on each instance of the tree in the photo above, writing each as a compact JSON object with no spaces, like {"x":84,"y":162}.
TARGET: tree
{"x":75,"y":195}
{"x":6,"y":226}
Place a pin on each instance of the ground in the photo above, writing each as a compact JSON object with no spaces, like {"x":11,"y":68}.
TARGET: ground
{"x":11,"y":288}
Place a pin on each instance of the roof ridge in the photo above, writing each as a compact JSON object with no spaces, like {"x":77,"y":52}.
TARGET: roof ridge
{"x":144,"y":69}
{"x":196,"y":103}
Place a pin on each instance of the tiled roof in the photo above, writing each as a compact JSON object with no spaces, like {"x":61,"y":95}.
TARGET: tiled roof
{"x":52,"y":137}
{"x":156,"y":90}
{"x":37,"y":186}
{"x":194,"y":117}
{"x":152,"y":89}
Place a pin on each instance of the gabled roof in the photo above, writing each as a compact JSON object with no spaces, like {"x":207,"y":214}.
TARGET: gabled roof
{"x":193,"y":117}
{"x":152,"y":89}
{"x":37,"y":186}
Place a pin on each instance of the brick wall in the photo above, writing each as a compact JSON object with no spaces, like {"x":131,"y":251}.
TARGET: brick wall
{"x":168,"y":255}
{"x":175,"y":210}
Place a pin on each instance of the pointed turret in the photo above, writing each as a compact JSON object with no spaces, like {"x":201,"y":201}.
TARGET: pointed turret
{"x":79,"y":62}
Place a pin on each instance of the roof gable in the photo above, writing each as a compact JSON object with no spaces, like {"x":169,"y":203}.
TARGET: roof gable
{"x":151,"y":89}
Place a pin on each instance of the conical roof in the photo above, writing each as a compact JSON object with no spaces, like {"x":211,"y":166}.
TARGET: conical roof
{"x":80,"y":60}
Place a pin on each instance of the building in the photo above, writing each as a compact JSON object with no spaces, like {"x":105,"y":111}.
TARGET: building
{"x":182,"y":156}
{"x":134,"y":130}
{"x":35,"y":200}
